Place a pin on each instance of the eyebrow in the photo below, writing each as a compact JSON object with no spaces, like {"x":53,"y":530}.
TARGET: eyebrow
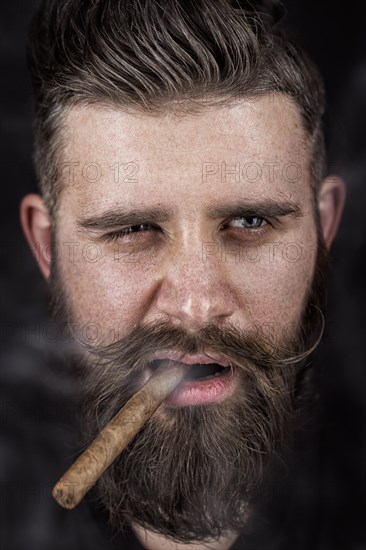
{"x":267,"y":208}
{"x":122,"y":217}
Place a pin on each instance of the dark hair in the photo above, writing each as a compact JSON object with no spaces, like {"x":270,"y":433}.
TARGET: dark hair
{"x":152,"y":56}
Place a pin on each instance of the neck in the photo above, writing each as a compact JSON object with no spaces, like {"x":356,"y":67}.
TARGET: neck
{"x":153,"y":541}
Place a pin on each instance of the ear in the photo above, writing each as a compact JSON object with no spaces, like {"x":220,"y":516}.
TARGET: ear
{"x":36,"y":224}
{"x":331,"y":199}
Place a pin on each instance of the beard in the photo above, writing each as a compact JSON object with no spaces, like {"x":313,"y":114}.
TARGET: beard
{"x":194,"y":473}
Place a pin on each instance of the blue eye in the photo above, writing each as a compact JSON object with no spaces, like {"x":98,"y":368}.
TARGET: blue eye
{"x":248,"y":222}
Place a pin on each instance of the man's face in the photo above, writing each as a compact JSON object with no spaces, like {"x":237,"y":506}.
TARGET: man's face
{"x":197,"y":265}
{"x":228,"y":256}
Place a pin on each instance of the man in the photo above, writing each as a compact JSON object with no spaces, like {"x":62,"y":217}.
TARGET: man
{"x":180,"y":156}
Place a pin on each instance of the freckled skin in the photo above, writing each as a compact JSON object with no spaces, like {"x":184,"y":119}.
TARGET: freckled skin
{"x":165,"y":273}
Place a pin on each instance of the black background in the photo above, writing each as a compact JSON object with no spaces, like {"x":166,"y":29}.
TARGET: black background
{"x":37,"y":397}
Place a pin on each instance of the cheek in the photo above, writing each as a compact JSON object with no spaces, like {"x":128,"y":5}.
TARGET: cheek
{"x":107,"y":288}
{"x":272,"y":281}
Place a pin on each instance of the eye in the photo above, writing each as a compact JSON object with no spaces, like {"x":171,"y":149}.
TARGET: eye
{"x":247,"y":222}
{"x":126,"y":231}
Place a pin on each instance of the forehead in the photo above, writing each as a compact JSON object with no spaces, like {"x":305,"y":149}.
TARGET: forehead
{"x":255,"y":143}
{"x":267,"y":122}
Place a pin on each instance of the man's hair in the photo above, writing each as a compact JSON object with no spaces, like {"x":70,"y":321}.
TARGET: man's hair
{"x":152,"y":57}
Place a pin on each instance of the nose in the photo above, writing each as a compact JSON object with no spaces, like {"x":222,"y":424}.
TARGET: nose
{"x":195,"y":292}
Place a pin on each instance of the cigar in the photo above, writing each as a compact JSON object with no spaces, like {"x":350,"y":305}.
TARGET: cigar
{"x":117,"y":434}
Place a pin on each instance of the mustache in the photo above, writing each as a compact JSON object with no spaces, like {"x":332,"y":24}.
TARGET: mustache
{"x":253,"y":352}
{"x":236,"y":345}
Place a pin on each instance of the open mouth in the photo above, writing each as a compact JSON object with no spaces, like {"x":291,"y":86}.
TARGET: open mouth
{"x":210,"y":379}
{"x":199,"y":371}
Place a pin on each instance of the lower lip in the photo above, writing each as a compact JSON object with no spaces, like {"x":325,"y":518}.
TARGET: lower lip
{"x":202,"y":392}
